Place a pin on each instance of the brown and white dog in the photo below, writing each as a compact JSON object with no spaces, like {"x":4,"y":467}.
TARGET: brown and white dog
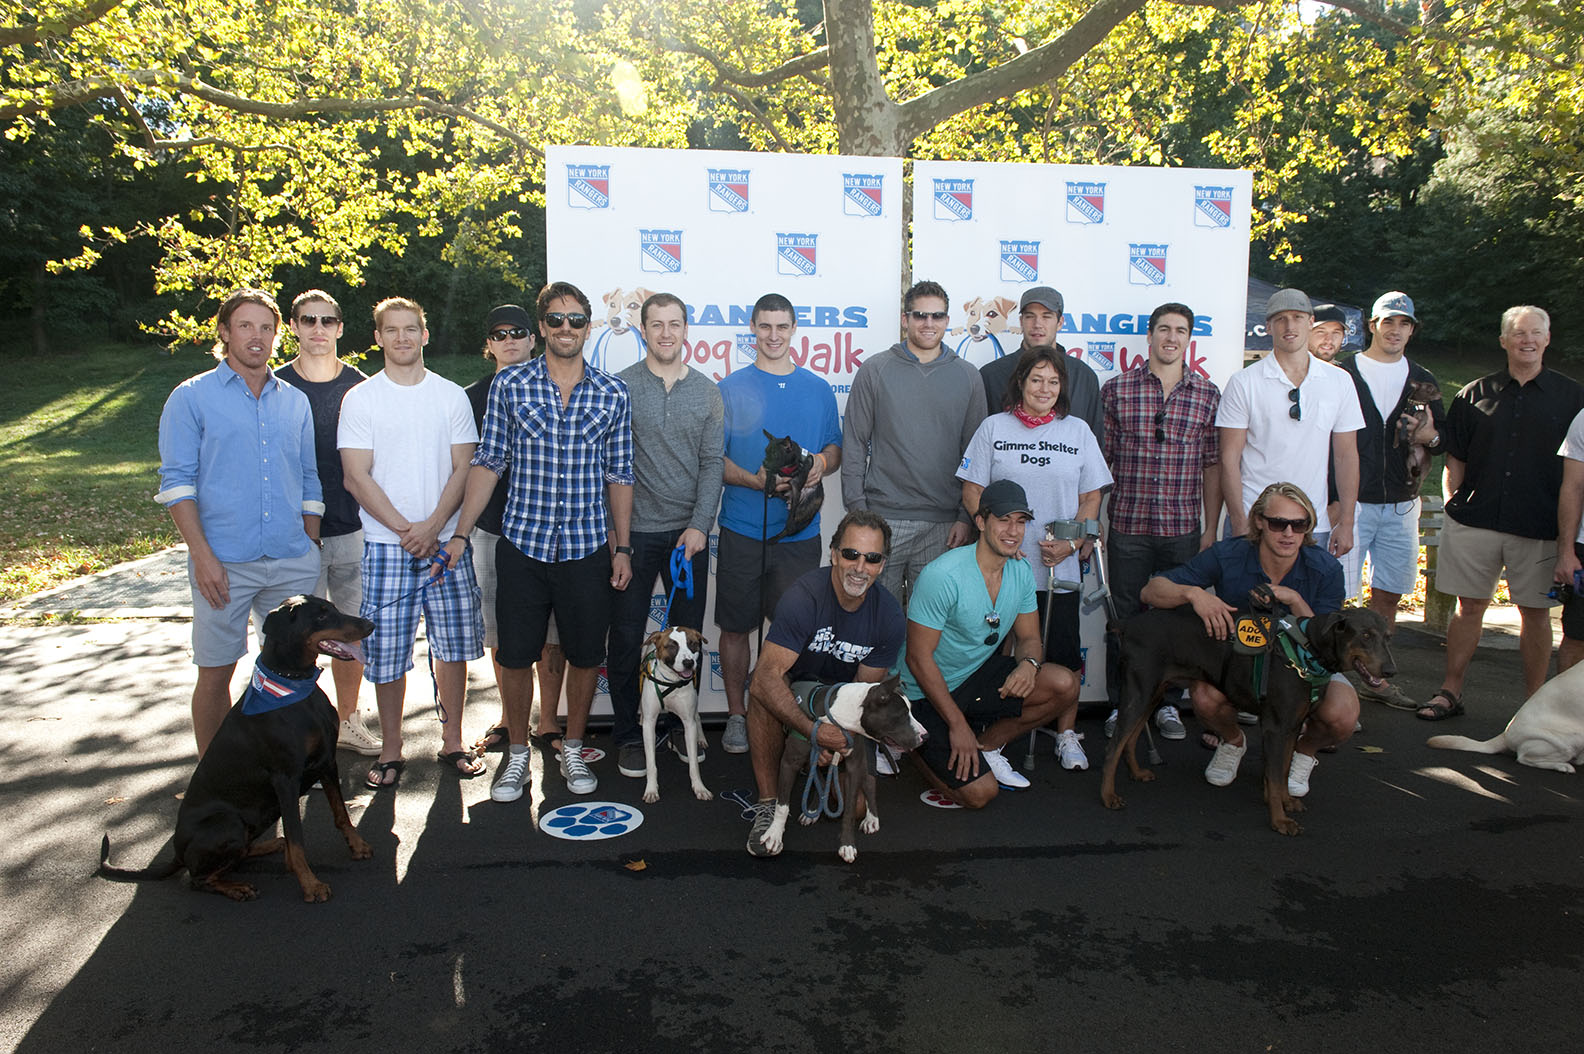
{"x":1547,"y":732}
{"x":668,"y":676}
{"x":880,"y":712}
{"x":986,"y":318}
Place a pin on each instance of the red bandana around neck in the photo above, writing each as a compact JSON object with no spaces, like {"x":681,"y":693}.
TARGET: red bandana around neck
{"x":1029,"y":420}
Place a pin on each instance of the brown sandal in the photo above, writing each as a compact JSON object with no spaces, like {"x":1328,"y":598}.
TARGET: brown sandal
{"x":1434,"y":711}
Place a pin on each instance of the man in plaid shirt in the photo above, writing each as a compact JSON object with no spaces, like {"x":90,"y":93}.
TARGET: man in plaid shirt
{"x":564,"y":428}
{"x":1162,"y":448}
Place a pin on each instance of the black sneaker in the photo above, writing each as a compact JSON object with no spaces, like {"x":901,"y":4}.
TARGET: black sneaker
{"x":630,"y":760}
{"x":678,"y":741}
{"x":764,"y":813}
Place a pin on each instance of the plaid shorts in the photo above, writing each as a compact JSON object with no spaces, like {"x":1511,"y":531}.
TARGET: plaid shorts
{"x":392,"y":600}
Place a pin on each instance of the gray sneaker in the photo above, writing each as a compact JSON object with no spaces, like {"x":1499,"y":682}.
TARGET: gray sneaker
{"x":1110,"y":725}
{"x":764,"y":813}
{"x":735,"y":739}
{"x":513,"y":771}
{"x":1169,"y":722}
{"x":579,"y":779}
{"x":1387,"y":694}
{"x":630,"y":760}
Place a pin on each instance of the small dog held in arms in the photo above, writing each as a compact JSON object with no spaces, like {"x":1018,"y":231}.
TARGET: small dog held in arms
{"x":1547,"y":732}
{"x":1416,"y":415}
{"x":669,"y":679}
{"x":274,"y":744}
{"x":786,"y":460}
{"x":879,"y":712}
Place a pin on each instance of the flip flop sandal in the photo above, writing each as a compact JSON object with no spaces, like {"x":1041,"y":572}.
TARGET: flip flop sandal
{"x":1453,"y":707}
{"x":493,"y":740}
{"x":375,"y":780}
{"x":454,"y":760}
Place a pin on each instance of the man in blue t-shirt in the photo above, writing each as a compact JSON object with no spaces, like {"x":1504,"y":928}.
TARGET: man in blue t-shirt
{"x":970,"y":698}
{"x":772,"y":395}
{"x":831,"y":627}
{"x":1279,"y":550}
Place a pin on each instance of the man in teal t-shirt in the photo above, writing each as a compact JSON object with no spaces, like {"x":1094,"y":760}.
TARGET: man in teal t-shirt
{"x":775,"y":395}
{"x":971,"y":698}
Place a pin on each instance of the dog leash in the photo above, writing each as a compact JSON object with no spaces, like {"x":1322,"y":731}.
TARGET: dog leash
{"x":681,"y":578}
{"x":817,"y":790}
{"x":445,"y":569}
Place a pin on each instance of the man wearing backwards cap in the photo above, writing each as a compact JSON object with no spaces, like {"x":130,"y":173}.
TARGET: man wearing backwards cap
{"x":1386,"y":524}
{"x":1040,"y":318}
{"x":1276,"y":418}
{"x":971,"y":699}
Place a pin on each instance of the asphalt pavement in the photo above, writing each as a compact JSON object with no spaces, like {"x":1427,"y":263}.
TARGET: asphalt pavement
{"x":1433,"y":901}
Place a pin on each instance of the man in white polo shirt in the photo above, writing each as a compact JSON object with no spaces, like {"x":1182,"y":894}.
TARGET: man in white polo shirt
{"x":1281,"y":416}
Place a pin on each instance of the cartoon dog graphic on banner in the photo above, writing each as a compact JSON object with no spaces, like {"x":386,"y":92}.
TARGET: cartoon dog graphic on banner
{"x":985,"y":320}
{"x":623,"y":331}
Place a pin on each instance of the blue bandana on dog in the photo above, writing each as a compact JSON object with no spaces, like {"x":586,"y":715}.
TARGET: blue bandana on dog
{"x":270,"y":691}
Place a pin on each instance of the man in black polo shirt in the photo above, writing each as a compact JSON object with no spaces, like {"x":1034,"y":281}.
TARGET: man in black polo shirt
{"x":1502,"y":479}
{"x":1040,"y":318}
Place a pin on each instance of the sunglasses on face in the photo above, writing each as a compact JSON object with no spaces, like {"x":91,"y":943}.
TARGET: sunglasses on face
{"x":1280,"y":525}
{"x":515,"y":333}
{"x":993,"y":620}
{"x":928,"y":316}
{"x":553,"y":319}
{"x":1294,"y":411}
{"x":327,"y":321}
{"x":869,"y":558}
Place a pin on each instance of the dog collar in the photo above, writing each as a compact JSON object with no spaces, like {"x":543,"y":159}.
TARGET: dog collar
{"x":270,"y":691}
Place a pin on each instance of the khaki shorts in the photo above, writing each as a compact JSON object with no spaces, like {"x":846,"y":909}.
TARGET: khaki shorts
{"x":341,"y":572}
{"x":1471,"y":560}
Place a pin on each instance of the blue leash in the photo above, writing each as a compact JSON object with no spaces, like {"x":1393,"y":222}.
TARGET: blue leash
{"x":681,"y":578}
{"x":823,"y":786}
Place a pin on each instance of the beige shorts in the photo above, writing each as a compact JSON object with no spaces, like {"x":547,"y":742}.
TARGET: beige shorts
{"x":1471,"y":560}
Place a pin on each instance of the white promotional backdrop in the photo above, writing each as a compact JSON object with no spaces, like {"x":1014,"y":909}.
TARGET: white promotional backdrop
{"x":1116,"y":242}
{"x":719,"y":229}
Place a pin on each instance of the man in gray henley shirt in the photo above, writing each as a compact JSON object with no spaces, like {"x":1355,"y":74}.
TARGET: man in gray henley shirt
{"x":678,"y":439}
{"x":910,"y":414}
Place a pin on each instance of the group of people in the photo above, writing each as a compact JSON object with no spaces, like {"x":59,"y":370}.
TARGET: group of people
{"x":533,"y":512}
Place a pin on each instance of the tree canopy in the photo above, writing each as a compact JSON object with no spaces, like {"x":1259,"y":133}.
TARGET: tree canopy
{"x":327,"y":138}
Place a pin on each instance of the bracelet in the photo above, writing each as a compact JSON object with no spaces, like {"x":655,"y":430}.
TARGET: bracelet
{"x":1036,"y":662}
{"x":466,"y":541}
{"x":624,"y":550}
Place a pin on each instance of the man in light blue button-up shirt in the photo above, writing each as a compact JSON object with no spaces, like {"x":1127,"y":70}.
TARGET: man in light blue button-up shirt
{"x":238,"y":473}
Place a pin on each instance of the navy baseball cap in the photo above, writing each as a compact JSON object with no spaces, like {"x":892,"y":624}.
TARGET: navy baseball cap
{"x":1003,"y":498}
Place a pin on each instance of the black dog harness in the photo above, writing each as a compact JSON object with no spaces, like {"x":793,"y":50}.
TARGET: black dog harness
{"x":1260,"y":635}
{"x":650,"y":671}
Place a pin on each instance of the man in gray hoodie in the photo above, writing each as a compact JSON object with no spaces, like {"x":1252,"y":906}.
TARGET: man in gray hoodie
{"x":910,"y":414}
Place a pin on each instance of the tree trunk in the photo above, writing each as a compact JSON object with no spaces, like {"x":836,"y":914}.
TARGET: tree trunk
{"x":866,"y":119}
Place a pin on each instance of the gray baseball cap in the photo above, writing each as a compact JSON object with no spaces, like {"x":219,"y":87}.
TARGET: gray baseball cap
{"x":1288,"y":300}
{"x":1394,"y":303}
{"x":1045,"y":296}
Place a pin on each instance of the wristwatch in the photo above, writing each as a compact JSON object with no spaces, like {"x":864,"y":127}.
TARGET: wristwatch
{"x":625,"y":550}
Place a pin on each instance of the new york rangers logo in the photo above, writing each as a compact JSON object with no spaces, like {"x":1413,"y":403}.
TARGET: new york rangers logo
{"x":588,"y":186}
{"x":862,"y":195}
{"x":1101,"y":354}
{"x":1085,"y":202}
{"x":660,"y":252}
{"x":747,"y":353}
{"x":657,"y":610}
{"x":954,"y":199}
{"x":1212,"y":206}
{"x":714,"y":550}
{"x":795,"y":254}
{"x":728,"y":190}
{"x":1019,"y":261}
{"x":602,"y":682}
{"x":1146,"y":264}
{"x":717,"y":680}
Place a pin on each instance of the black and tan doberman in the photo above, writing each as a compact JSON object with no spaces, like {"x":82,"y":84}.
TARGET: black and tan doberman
{"x":274,"y":744}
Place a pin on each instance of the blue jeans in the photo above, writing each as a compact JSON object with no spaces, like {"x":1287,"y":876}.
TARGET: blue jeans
{"x":630,"y":610}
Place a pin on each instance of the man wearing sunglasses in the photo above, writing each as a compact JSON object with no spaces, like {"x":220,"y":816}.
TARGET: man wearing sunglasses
{"x":971,"y":698}
{"x":1281,"y":417}
{"x":677,"y":444}
{"x":564,"y":430}
{"x":833,"y":626}
{"x":1278,"y":549}
{"x":248,"y":511}
{"x":911,"y":412}
{"x":1164,"y":454}
{"x":321,"y":375}
{"x":406,"y":437}
{"x":1040,"y":319}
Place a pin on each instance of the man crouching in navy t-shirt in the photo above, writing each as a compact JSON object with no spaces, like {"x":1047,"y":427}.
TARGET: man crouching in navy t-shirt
{"x":832,"y":626}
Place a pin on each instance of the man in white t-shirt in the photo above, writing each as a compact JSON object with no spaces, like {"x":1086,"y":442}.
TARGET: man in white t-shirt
{"x":406,"y":438}
{"x":1279,"y":419}
{"x":1570,"y":558}
{"x":1386,"y":521}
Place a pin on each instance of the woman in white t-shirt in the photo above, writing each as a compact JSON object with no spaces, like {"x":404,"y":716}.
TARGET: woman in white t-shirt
{"x":1057,"y":461}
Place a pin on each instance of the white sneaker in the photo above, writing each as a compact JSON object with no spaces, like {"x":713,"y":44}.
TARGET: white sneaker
{"x":1169,"y":722}
{"x":1223,"y":767}
{"x":1110,"y":725}
{"x":1246,"y":718}
{"x":1298,"y":774}
{"x":514,"y":770}
{"x":579,"y":779}
{"x":355,"y":736}
{"x":1003,"y":771}
{"x":1070,"y":751}
{"x":735,"y":739}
